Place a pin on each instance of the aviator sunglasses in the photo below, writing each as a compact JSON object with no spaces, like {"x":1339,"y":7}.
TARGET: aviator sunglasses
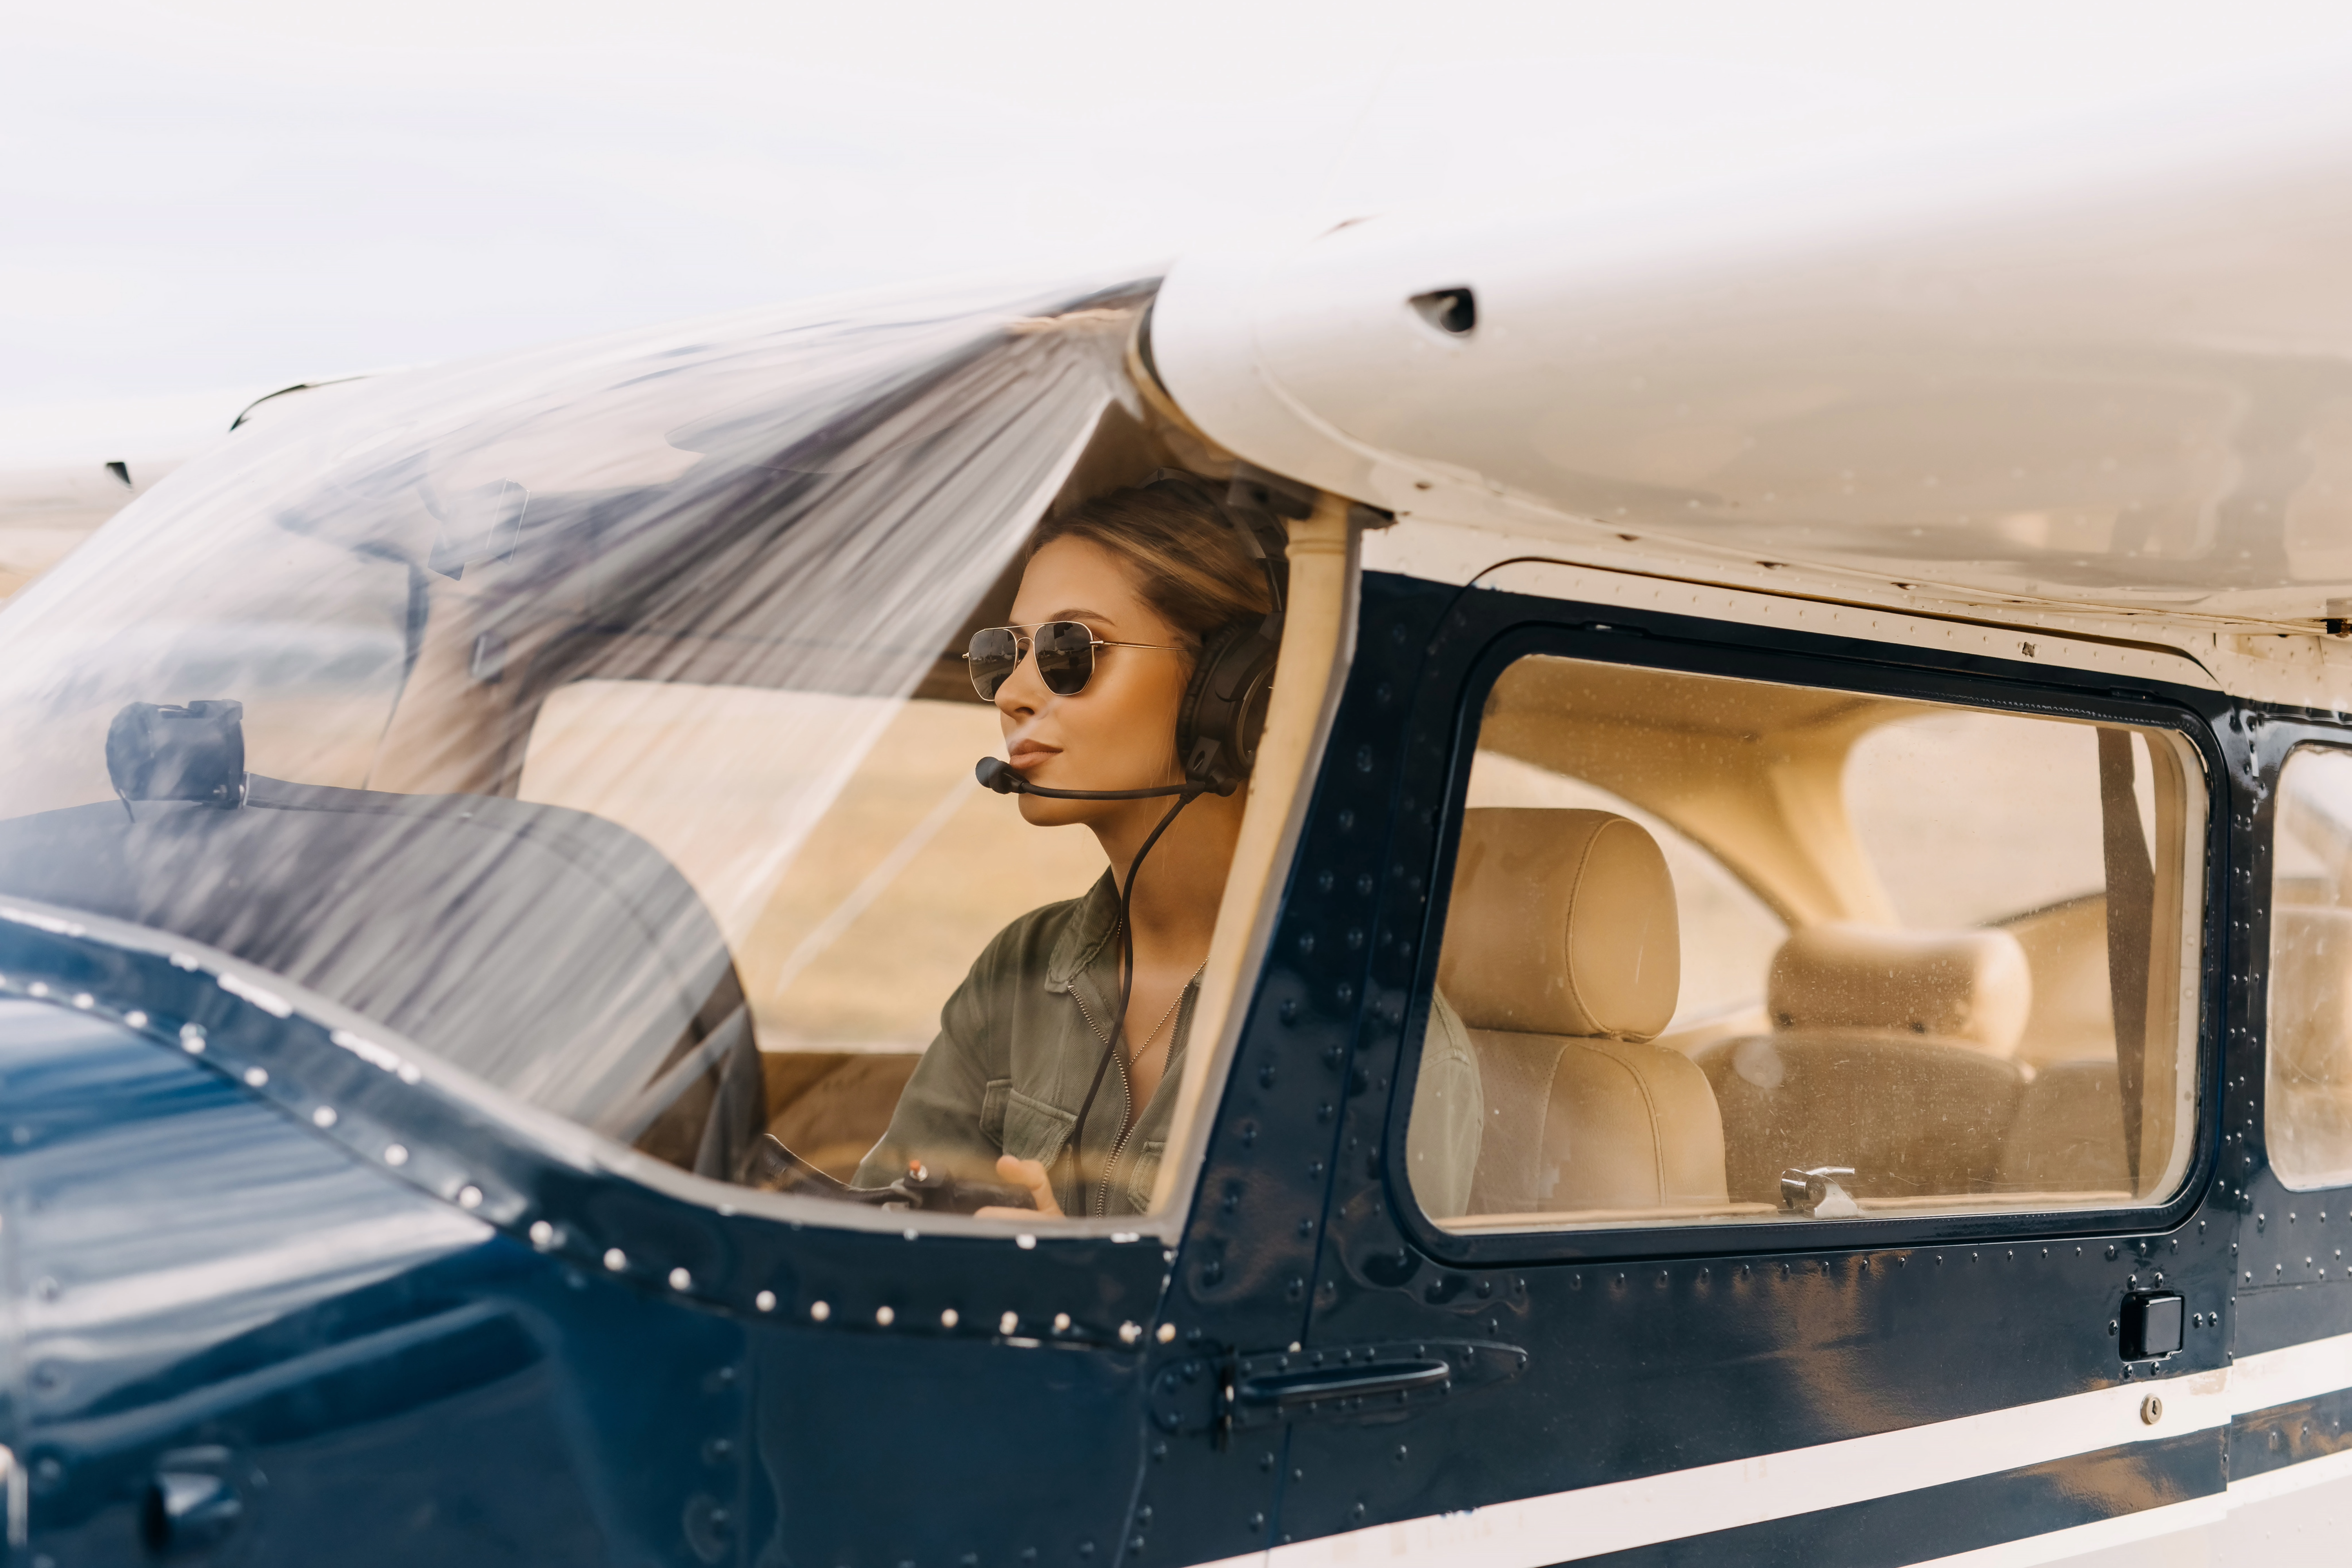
{"x":1065,"y":649}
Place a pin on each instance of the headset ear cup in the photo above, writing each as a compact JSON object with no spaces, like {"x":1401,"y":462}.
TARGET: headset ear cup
{"x":1224,"y":711}
{"x":1196,"y":747}
{"x":1249,"y":726}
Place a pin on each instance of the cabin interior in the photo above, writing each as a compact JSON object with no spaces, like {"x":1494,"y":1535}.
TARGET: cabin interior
{"x":1978,"y":1057}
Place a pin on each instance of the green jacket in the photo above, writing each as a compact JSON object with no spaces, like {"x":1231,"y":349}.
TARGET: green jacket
{"x":1017,"y":1046}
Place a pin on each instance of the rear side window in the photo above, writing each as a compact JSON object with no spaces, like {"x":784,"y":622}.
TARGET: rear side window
{"x":1945,"y":959}
{"x":2308,"y":1100}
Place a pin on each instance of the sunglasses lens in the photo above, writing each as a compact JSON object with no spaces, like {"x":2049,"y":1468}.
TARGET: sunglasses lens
{"x":1066,"y":657}
{"x":994,"y":655}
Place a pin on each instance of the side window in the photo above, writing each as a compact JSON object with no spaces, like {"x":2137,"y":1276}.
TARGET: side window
{"x":2308,"y":1097}
{"x":1730,"y":951}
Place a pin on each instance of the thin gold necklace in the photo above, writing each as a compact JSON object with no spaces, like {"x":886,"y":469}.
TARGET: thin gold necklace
{"x":1164,"y":1017}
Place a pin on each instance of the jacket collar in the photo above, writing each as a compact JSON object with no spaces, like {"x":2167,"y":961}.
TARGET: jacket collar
{"x":1084,"y":940}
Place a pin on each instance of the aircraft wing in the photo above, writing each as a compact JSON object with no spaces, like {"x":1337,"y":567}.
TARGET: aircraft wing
{"x":2101,"y":364}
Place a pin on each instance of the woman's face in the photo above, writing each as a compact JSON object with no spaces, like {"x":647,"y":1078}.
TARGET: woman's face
{"x":1120,"y":732}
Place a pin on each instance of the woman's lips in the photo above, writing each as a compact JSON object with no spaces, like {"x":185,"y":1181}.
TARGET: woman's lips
{"x":1028,"y":754}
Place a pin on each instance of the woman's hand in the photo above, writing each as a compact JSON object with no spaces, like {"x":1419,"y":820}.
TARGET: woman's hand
{"x":1029,"y":1173}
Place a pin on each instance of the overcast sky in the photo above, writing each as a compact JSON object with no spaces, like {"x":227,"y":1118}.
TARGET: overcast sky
{"x":202,"y":200}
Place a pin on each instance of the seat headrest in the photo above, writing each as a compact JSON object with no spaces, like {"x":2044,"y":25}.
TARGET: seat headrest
{"x":1974,"y":987}
{"x":2311,"y":995}
{"x":1562,"y":924}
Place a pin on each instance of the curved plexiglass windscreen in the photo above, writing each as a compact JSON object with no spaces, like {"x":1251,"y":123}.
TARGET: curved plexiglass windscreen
{"x":591,"y":716}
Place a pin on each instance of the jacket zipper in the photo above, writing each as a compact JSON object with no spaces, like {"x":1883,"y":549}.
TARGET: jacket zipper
{"x":1102,"y":1191}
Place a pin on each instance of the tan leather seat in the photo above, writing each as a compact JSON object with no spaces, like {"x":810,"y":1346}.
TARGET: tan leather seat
{"x":1889,"y":1055}
{"x":2068,"y":1134}
{"x":1563,"y":959}
{"x":1971,"y":988}
{"x":2309,"y":1119}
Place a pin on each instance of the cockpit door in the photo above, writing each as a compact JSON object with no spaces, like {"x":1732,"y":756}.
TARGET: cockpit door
{"x":1789,"y":1354}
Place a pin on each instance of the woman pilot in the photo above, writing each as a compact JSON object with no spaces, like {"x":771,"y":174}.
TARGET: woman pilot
{"x":1150,"y":573}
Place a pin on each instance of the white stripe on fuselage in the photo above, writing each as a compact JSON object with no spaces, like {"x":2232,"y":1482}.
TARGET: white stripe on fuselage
{"x":1534,"y":1532}
{"x":2243,"y":1498}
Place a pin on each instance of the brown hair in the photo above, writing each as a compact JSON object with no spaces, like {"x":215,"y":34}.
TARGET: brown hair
{"x":1173,"y":536}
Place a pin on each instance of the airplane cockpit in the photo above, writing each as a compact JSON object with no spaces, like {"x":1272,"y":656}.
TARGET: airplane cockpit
{"x":610,"y":740}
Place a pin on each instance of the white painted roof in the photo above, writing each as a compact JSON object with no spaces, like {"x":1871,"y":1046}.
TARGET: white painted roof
{"x":2102,"y":366}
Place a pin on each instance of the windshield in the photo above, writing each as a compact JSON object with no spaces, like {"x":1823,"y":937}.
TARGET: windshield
{"x":591,"y":716}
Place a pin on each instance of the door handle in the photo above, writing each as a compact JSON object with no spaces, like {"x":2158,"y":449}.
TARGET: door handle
{"x":1203,"y":1392}
{"x":1362,"y":1380}
{"x":2151,"y":1321}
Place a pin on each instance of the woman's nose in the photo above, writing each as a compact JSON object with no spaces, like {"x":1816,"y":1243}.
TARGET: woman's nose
{"x":1023,"y":692}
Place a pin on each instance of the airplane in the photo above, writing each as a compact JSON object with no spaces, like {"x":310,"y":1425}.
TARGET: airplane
{"x":1783,"y":992}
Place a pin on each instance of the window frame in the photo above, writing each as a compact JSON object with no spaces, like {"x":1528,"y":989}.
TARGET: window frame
{"x":1489,"y":630}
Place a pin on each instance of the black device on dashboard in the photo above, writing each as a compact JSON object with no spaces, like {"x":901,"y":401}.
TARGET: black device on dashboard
{"x":194,"y":753}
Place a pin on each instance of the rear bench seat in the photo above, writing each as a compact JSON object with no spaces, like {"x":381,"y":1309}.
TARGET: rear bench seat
{"x":1889,"y":1053}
